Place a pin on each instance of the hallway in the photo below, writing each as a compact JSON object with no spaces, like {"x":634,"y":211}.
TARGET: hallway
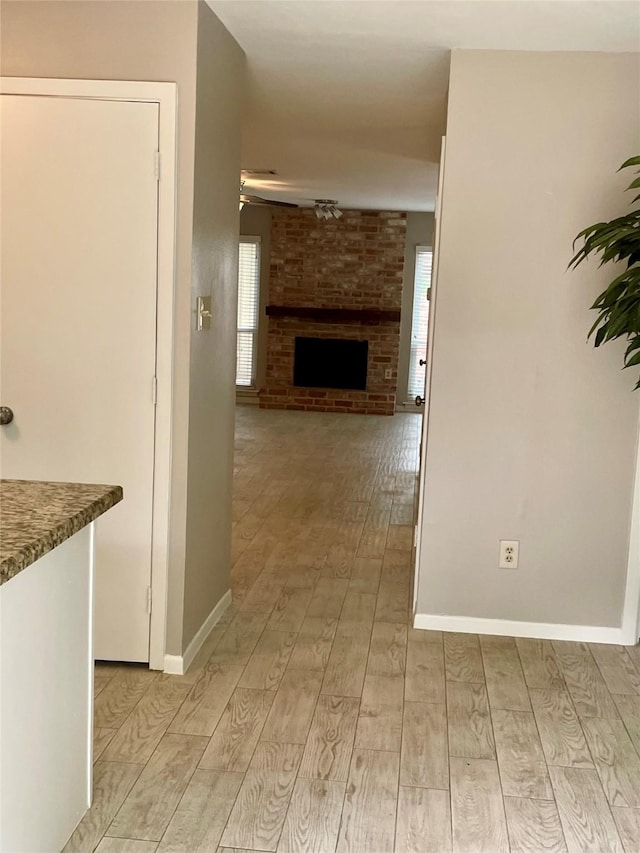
{"x":315,"y":719}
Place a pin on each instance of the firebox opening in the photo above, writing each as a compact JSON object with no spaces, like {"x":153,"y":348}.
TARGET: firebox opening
{"x":330,"y":363}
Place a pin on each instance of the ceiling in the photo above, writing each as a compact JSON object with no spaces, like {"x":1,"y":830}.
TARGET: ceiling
{"x":347,"y":100}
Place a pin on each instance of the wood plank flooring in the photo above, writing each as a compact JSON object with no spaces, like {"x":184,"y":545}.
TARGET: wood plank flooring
{"x":316,"y":720}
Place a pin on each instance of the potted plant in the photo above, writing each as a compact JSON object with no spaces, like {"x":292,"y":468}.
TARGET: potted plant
{"x":618,"y":306}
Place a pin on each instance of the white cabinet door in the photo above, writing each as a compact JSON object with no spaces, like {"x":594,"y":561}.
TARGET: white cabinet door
{"x":79,"y":205}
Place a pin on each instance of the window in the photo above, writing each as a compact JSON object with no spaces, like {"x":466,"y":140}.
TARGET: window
{"x":248,"y":299}
{"x":419,"y":321}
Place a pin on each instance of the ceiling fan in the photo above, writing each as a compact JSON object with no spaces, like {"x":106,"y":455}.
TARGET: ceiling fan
{"x":255,"y":199}
{"x":246,"y":198}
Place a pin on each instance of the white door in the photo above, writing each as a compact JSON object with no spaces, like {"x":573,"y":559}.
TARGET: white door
{"x":429,"y":367}
{"x":79,"y":203}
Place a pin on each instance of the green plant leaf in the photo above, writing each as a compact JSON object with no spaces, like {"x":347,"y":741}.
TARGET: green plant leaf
{"x":632,"y":161}
{"x":618,"y":305}
{"x":616,"y":327}
{"x":635,"y":344}
{"x":600,"y":336}
{"x":615,"y":239}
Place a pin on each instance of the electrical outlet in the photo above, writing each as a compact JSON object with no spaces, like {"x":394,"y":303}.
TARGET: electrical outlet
{"x":388,"y":373}
{"x":509,"y":551}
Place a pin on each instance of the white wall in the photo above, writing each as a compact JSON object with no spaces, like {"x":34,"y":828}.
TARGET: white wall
{"x":419,"y":233}
{"x":532,"y":432}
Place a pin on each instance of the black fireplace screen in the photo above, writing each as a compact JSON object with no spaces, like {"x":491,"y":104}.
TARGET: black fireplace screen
{"x":330,"y":363}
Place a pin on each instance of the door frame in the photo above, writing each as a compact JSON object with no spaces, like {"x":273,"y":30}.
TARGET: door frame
{"x":431,"y":333}
{"x":165,"y":95}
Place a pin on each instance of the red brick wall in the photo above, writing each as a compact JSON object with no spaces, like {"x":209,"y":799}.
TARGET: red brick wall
{"x":353,"y":262}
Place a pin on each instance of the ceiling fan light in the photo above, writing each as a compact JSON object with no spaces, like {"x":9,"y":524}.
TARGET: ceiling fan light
{"x":326,"y":209}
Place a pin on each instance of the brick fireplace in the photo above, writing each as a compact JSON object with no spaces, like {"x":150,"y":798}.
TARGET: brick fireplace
{"x":338,"y":280}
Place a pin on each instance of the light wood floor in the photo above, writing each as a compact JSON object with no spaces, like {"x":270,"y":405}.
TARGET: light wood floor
{"x":317,"y":720}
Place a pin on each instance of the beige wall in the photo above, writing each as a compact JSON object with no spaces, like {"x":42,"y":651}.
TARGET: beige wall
{"x":255,"y":221}
{"x":166,"y":41}
{"x":532,"y":432}
{"x":219,"y":101}
{"x":419,"y":233}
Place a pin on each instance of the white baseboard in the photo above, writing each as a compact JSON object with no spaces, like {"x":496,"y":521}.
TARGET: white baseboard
{"x":508,"y":628}
{"x":179,"y":664}
{"x":173,"y":664}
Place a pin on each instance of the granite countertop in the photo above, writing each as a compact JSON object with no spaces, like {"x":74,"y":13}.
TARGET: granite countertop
{"x":36,"y":516}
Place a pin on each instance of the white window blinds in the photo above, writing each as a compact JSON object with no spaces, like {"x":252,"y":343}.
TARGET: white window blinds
{"x":419,"y":321}
{"x":248,"y":299}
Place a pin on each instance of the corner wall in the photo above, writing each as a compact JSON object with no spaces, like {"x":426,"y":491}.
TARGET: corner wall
{"x":219,"y":102}
{"x":532,"y":432}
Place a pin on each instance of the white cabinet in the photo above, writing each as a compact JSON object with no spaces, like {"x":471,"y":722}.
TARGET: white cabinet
{"x":46,"y":698}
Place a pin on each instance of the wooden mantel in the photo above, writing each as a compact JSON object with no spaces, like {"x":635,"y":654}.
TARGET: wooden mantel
{"x":335,"y":315}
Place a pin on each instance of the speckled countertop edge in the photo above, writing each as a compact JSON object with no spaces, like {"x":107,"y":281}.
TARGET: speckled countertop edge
{"x":36,"y":517}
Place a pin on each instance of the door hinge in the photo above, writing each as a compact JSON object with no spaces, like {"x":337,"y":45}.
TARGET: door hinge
{"x":156,"y":166}
{"x":415,"y":535}
{"x":154,"y":390}
{"x":149,"y":600}
{"x":428,"y":294}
